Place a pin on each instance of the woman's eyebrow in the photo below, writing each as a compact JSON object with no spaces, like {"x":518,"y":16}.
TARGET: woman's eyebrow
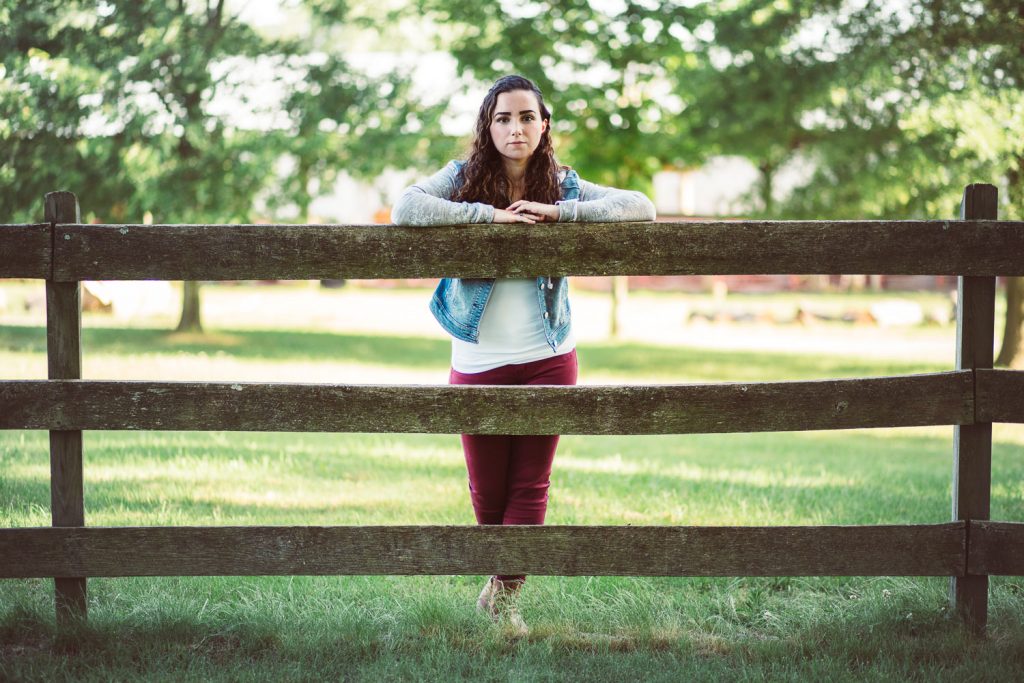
{"x":508,"y":113}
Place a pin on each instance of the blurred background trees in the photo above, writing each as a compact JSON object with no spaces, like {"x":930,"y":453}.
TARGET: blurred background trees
{"x":183,"y":112}
{"x":188,"y":111}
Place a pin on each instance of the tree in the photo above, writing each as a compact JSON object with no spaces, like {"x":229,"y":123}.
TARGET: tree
{"x":760,"y":70}
{"x":984,"y":43}
{"x":46,"y":95}
{"x":162,"y":107}
{"x":938,"y":104}
{"x":874,"y":97}
{"x":616,"y":116}
{"x":135,"y":132}
{"x":343,"y":120}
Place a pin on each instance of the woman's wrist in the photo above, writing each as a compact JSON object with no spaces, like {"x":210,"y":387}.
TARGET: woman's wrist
{"x":567,"y":210}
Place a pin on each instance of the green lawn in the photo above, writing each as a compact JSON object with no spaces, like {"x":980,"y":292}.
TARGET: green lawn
{"x":425,"y":628}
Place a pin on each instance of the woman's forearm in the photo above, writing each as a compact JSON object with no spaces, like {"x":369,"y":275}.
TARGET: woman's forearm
{"x":599,"y":204}
{"x":428,"y":203}
{"x":416,"y":207}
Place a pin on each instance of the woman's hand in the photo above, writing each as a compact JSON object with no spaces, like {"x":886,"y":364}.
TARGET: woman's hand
{"x":535,"y":210}
{"x":503,"y":216}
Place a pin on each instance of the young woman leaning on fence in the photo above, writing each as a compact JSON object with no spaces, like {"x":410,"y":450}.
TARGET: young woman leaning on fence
{"x":510,"y":331}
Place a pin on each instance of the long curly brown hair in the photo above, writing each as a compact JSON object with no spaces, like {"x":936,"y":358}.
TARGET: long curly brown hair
{"x":483,"y":175}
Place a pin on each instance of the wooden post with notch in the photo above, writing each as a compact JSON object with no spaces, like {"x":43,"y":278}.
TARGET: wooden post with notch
{"x":64,"y":356}
{"x":972,"y":444}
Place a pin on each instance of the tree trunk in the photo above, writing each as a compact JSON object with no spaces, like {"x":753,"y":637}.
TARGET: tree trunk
{"x":1011,"y":346}
{"x":620,"y":290}
{"x":190,"y":318}
{"x":765,"y":186}
{"x":1014,"y":319}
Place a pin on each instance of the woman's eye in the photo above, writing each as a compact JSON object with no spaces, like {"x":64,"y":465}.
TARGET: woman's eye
{"x":502,"y":119}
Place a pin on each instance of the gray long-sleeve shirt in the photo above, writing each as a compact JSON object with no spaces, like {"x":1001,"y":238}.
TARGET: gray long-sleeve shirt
{"x":429,"y":203}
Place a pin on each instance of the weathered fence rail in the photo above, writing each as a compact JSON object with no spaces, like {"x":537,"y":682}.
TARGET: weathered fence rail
{"x":968,"y":549}
{"x":920,"y":550}
{"x":299,"y":252}
{"x":914,"y":400}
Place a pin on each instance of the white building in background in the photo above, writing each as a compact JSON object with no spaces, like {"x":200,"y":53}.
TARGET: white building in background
{"x":724,"y":186}
{"x":718,"y":188}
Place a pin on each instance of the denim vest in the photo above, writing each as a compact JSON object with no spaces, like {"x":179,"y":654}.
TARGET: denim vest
{"x":458,"y":303}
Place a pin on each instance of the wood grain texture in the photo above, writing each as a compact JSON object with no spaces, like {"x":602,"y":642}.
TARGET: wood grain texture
{"x":935,"y":399}
{"x":228,"y":252}
{"x":25,"y":251}
{"x":972,"y":444}
{"x":996,"y":548}
{"x":63,"y":330}
{"x":1000,"y":395}
{"x":64,"y":362}
{"x":61,"y":207}
{"x":67,"y":500}
{"x":912,"y":550}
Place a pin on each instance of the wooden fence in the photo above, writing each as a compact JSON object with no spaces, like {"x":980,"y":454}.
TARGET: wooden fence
{"x":968,"y":549}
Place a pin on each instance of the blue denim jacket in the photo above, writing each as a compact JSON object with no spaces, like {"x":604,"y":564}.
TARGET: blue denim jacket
{"x":459,"y":303}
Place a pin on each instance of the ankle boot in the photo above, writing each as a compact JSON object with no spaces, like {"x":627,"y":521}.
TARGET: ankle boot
{"x":487,"y":602}
{"x":498,"y":601}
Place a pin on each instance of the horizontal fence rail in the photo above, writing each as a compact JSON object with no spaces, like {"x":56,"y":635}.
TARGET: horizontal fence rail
{"x":236,"y":252}
{"x":996,"y":548}
{"x":1000,"y":395}
{"x":910,"y":550}
{"x":64,"y":252}
{"x":26,"y":251}
{"x":914,"y":400}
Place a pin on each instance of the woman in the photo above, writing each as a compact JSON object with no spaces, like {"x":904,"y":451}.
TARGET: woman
{"x":510,"y":331}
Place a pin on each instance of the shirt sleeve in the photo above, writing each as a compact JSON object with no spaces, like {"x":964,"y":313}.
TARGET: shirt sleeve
{"x":429,"y":203}
{"x":600,"y":204}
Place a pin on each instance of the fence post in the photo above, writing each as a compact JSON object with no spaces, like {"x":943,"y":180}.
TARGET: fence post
{"x":64,"y":356}
{"x":972,"y":444}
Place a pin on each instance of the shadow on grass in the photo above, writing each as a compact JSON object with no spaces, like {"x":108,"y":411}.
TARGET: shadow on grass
{"x":426,"y":629}
{"x":620,"y":360}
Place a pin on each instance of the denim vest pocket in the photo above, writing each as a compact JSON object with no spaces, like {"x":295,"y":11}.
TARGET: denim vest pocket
{"x":458,"y":304}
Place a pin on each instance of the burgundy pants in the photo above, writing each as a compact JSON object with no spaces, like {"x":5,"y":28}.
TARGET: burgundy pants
{"x":509,"y":476}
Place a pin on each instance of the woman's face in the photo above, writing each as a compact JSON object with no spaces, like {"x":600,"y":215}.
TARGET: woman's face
{"x":516,"y":125}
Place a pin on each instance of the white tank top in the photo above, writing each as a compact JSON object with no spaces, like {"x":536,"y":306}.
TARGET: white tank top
{"x":511,"y":330}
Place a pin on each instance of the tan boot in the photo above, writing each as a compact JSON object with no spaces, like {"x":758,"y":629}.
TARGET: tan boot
{"x":513,"y":620}
{"x":487,"y":602}
{"x":498,"y":601}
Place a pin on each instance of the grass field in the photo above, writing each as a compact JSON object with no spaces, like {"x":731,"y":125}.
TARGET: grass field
{"x":425,"y":628}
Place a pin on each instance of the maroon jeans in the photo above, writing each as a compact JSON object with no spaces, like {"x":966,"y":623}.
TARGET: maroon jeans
{"x":509,"y":475}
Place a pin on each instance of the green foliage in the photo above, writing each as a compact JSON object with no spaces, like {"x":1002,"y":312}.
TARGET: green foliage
{"x":875,"y":97}
{"x":182,"y":110}
{"x":892,"y":106}
{"x":167,"y":109}
{"x":934,"y":105}
{"x":44,"y":96}
{"x":606,"y":76}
